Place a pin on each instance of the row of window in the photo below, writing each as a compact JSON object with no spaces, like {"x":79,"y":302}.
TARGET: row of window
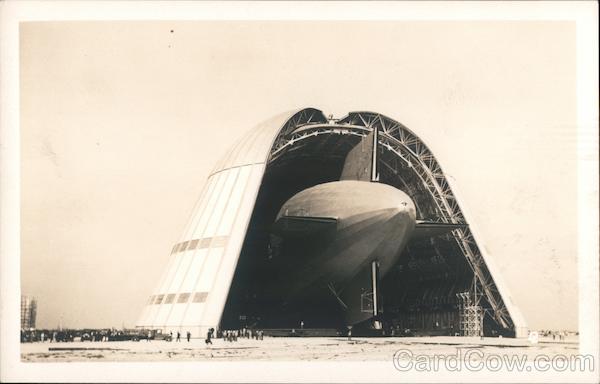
{"x":207,"y":242}
{"x":197,"y":297}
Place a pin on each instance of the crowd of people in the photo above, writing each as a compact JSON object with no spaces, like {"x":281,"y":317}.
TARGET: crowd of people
{"x":245,"y":333}
{"x":556,"y":335}
{"x":98,"y":335}
{"x":56,"y":336}
{"x":227,"y":335}
{"x":31,"y":336}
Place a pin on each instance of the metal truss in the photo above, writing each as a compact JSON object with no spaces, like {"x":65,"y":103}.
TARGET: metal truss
{"x":415,"y":155}
{"x":470,"y":315}
{"x":367,"y":303}
{"x":305,"y":117}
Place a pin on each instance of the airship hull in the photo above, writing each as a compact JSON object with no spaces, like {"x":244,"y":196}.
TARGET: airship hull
{"x":333,"y":233}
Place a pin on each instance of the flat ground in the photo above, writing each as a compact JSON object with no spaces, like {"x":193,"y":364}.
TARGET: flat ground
{"x":280,"y":348}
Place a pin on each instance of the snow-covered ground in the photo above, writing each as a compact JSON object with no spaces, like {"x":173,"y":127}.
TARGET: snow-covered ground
{"x":280,"y":349}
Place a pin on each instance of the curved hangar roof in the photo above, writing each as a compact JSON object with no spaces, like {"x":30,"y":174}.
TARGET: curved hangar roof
{"x":193,"y":290}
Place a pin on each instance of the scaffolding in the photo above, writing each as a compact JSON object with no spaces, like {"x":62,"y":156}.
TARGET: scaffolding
{"x":470,"y":312}
{"x":28,"y":312}
{"x":367,"y":302}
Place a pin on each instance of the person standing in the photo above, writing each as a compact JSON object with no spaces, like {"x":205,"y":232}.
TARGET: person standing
{"x":188,"y":336}
{"x":178,"y":336}
{"x":208,"y":337}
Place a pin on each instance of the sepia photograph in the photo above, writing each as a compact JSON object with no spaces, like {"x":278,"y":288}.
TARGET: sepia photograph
{"x":302,"y":192}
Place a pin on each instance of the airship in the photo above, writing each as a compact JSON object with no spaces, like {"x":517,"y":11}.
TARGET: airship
{"x":342,"y":237}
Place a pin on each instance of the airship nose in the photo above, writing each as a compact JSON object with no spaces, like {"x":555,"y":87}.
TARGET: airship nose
{"x":407,"y":206}
{"x":379,"y":197}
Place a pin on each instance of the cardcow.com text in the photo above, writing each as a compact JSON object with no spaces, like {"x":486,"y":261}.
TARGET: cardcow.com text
{"x":472,"y":359}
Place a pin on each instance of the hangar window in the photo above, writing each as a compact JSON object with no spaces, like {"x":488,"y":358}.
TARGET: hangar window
{"x":218,"y":241}
{"x":205,"y":243}
{"x":159,"y":299}
{"x":183,"y":297}
{"x":170,"y":298}
{"x":200,"y":297}
{"x":193,"y":244}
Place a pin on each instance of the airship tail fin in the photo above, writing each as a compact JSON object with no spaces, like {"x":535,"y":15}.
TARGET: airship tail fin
{"x":427,"y":229}
{"x":361,"y":161}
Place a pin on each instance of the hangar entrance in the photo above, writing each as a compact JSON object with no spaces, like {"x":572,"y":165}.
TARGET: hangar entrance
{"x":428,"y":291}
{"x":250,"y":301}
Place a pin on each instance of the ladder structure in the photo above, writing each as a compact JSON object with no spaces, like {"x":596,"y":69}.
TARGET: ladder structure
{"x":470,"y":314}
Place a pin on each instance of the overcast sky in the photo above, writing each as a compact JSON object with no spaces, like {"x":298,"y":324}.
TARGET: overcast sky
{"x":121,"y":123}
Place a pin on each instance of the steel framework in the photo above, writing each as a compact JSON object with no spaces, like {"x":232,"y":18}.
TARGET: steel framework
{"x":28,"y":312}
{"x":409,"y":149}
{"x":470,"y":315}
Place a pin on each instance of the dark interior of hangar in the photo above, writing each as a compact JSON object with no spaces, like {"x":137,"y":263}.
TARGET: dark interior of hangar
{"x":419,"y":295}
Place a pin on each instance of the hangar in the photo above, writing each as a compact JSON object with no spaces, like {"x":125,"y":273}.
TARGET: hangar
{"x":227,"y":269}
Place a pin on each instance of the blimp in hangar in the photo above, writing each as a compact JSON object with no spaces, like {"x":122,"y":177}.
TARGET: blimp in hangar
{"x":316,"y":223}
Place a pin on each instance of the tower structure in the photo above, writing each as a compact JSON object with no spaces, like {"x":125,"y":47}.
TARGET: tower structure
{"x":28,"y":312}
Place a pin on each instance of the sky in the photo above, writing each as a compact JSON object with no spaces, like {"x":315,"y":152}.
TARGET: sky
{"x":121,"y":122}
